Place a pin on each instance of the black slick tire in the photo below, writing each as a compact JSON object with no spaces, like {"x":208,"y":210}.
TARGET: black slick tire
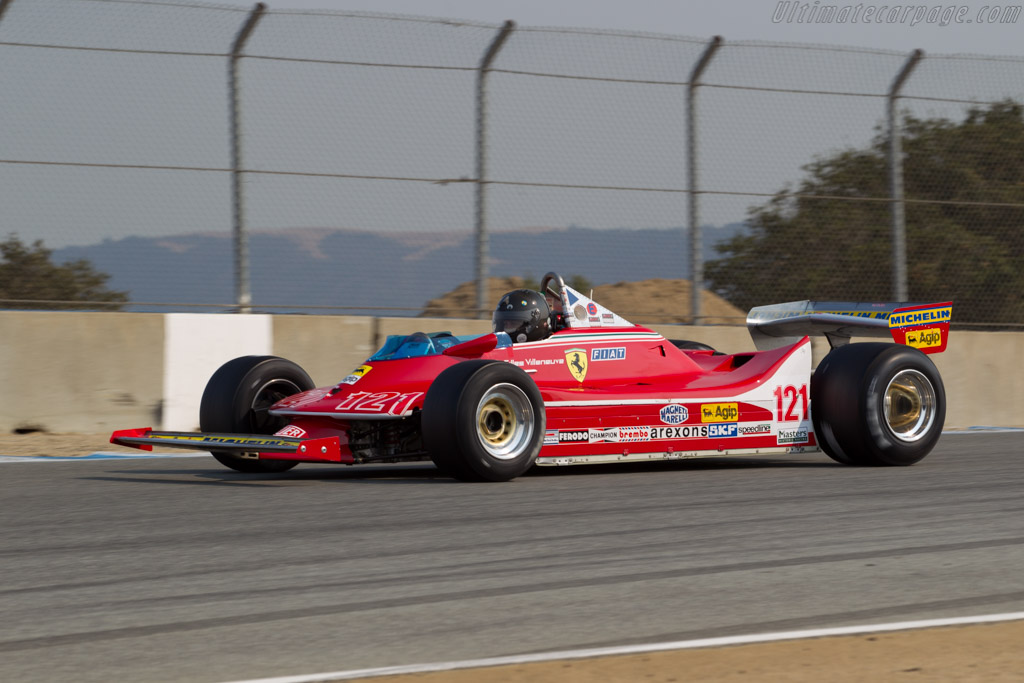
{"x":236,"y":400}
{"x":483,"y":420}
{"x":877,"y":404}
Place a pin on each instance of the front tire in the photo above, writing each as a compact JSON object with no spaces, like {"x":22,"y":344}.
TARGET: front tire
{"x":877,"y":404}
{"x":236,"y":401}
{"x":483,"y":420}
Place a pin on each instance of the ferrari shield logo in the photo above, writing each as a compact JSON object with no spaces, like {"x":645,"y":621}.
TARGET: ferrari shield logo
{"x":576,"y":361}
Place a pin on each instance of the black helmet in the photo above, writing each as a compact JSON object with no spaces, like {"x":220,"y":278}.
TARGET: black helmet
{"x":524,"y":315}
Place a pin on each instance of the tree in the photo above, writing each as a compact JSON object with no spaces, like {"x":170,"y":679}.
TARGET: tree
{"x":830,"y":239}
{"x":26,"y":273}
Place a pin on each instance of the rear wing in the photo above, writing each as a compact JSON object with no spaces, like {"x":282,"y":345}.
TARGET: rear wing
{"x":923,"y":326}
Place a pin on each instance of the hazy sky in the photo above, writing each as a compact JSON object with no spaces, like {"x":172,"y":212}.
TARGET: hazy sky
{"x":913,"y":25}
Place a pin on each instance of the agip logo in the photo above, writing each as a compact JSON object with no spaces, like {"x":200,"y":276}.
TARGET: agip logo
{"x":719,"y":412}
{"x":674,"y":414}
{"x":576,"y":361}
{"x":924,"y":339}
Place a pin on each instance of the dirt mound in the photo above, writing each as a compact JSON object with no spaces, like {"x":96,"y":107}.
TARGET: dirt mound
{"x":646,"y":302}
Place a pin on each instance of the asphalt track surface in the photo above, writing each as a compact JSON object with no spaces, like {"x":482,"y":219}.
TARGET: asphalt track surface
{"x":181,"y":570}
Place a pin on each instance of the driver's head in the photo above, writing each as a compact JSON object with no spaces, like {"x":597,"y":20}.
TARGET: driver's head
{"x":524,"y":315}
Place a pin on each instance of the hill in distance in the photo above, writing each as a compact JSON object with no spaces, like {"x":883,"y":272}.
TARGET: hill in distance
{"x":376,"y":273}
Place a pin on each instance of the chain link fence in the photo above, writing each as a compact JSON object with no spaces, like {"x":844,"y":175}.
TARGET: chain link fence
{"x":372,"y":162}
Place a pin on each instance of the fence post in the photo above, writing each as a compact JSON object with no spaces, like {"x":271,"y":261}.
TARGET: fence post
{"x":899,"y":226}
{"x":481,"y":165}
{"x":696,"y":257}
{"x":243,"y":296}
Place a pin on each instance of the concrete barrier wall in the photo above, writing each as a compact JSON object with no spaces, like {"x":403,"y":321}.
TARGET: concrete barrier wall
{"x":95,"y":372}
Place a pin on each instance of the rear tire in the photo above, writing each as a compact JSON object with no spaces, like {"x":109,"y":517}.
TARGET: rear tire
{"x":877,"y":404}
{"x":483,"y":420}
{"x":236,"y":400}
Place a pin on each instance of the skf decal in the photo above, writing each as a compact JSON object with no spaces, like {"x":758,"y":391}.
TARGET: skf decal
{"x":608,"y":353}
{"x":925,"y":339}
{"x":719,"y":412}
{"x":357,"y":374}
{"x":674,"y":414}
{"x":576,"y":361}
{"x":685,"y":432}
{"x":924,"y":316}
{"x":291,"y":430}
{"x":722,"y":431}
{"x":788,"y":436}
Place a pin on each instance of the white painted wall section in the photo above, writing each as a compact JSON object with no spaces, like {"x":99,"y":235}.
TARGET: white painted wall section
{"x":196,"y":344}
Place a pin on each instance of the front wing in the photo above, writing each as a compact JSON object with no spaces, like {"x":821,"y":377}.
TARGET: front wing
{"x":325,"y":449}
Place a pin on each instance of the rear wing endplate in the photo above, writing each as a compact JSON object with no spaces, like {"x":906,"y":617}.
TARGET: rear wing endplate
{"x":923,"y":326}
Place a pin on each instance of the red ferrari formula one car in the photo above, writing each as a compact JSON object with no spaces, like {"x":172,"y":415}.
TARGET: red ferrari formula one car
{"x":563,"y":380}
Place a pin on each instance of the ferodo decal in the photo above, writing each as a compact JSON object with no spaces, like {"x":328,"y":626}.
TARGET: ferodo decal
{"x":576,"y":361}
{"x":925,"y":339}
{"x":674,"y":414}
{"x":719,"y":412}
{"x":573,"y":436}
{"x":357,"y":374}
{"x":292,"y":431}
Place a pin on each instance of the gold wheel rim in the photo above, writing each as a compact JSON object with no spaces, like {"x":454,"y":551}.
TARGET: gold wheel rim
{"x":909,"y":405}
{"x":505,"y":421}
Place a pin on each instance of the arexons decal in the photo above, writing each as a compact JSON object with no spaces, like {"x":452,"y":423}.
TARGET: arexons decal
{"x":683,"y":432}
